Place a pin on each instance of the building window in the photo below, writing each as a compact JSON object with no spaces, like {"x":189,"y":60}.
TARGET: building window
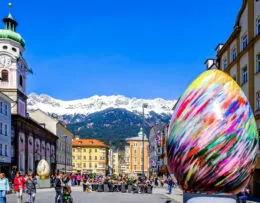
{"x":1,"y":107}
{"x":258,"y":100}
{"x":258,"y":26}
{"x":21,"y":80}
{"x":5,"y":150}
{"x":244,"y":75}
{"x":1,"y":152}
{"x":95,"y":165}
{"x":244,"y":42}
{"x":234,"y":77}
{"x":84,"y":157}
{"x":95,"y":150}
{"x":84,"y":165}
{"x":90,"y":157}
{"x":1,"y":128}
{"x":5,"y":130}
{"x":73,"y":150}
{"x":90,"y":165}
{"x":225,"y":64}
{"x":79,"y":158}
{"x":5,"y":75}
{"x":14,"y":49}
{"x":79,"y":150}
{"x":258,"y":63}
{"x":5,"y":47}
{"x":84,"y":150}
{"x":90,"y":150}
{"x":135,"y":168}
{"x":233,"y":54}
{"x":95,"y":157}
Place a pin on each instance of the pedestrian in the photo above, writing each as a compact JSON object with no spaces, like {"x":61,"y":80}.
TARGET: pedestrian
{"x":58,"y":187}
{"x":65,"y":180}
{"x":156,"y":182}
{"x":4,"y":187}
{"x":170,"y":183}
{"x":78,"y":179}
{"x":243,"y":195}
{"x":19,"y":186}
{"x":31,"y":187}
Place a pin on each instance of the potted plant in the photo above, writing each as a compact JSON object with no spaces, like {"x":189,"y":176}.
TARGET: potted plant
{"x":106,"y":188}
{"x":129,"y":183}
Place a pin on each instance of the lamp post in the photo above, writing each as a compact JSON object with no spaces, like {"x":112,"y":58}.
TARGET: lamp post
{"x":145,"y":105}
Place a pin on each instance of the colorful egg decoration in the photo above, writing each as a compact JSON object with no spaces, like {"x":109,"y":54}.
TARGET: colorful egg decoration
{"x":43,"y":169}
{"x":213,"y":136}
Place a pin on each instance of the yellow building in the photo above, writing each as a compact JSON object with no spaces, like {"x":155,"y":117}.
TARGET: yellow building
{"x":89,"y":156}
{"x":135,"y":153}
{"x":115,"y":163}
{"x":239,"y":56}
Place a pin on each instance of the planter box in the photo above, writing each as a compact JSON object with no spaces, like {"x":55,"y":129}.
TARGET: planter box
{"x":123,"y":188}
{"x":106,"y":188}
{"x":100,"y":188}
{"x":129,"y":188}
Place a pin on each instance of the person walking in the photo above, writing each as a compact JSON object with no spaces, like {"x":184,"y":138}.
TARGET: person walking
{"x":19,"y":186}
{"x":31,"y":187}
{"x":58,"y":187}
{"x":78,"y":179}
{"x":4,"y":187}
{"x":170,"y":183}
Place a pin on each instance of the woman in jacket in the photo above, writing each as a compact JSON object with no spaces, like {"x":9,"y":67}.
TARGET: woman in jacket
{"x":19,"y":186}
{"x":31,"y":187}
{"x":4,"y":187}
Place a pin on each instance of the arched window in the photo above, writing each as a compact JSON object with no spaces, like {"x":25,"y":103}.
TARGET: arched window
{"x":5,"y":75}
{"x":21,"y":81}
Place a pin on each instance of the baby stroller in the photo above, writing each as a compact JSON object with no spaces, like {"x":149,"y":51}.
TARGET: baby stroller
{"x":66,"y":195}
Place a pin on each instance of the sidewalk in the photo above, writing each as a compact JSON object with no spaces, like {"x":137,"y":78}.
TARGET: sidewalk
{"x":177,"y":195}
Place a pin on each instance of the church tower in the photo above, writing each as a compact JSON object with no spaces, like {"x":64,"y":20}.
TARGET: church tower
{"x":13,"y":67}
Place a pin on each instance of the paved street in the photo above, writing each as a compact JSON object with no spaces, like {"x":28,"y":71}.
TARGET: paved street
{"x":47,"y":195}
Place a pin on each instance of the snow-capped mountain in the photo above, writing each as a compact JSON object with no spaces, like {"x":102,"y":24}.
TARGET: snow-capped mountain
{"x":98,"y":103}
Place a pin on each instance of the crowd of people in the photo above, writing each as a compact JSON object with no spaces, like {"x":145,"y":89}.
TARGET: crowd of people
{"x":140,"y":184}
{"x":19,"y":183}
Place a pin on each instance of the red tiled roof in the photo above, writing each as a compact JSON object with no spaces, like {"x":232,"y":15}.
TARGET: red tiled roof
{"x":88,"y":142}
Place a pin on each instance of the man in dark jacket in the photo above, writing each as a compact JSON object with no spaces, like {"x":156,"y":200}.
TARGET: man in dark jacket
{"x":58,"y":188}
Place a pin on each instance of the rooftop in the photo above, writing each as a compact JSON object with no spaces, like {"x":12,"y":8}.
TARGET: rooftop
{"x":88,"y":142}
{"x":139,"y":137}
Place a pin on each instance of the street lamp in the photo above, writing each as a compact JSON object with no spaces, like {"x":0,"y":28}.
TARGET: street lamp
{"x":145,"y":105}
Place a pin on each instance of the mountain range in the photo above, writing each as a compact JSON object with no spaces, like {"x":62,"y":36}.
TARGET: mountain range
{"x":111,"y":119}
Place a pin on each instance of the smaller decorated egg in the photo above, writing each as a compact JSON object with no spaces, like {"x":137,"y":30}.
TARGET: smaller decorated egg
{"x":43,"y":169}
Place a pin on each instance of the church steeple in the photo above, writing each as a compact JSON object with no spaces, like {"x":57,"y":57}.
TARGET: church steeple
{"x":10,"y":23}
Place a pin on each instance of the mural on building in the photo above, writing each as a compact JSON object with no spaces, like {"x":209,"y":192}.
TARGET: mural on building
{"x":30,"y":154}
{"x":21,"y":152}
{"x":43,"y":150}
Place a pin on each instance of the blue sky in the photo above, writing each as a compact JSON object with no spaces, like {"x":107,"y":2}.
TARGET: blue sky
{"x":137,"y":48}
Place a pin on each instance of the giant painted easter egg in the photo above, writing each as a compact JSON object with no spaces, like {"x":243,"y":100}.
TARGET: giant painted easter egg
{"x":213,"y":137}
{"x":43,"y":169}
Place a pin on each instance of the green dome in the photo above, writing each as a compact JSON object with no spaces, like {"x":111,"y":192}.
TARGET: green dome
{"x":9,"y":34}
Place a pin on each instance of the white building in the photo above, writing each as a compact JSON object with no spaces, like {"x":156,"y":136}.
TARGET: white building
{"x":110,"y":161}
{"x":64,"y":142}
{"x":5,"y":133}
